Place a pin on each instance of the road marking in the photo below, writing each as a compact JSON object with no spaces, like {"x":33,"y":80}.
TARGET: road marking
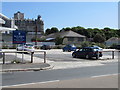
{"x":30,"y":83}
{"x":103,"y":75}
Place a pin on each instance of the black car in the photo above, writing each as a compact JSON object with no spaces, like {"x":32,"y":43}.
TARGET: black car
{"x":87,"y":52}
{"x":46,"y":47}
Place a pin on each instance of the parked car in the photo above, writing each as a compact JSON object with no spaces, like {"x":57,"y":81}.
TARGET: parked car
{"x":25,"y":47}
{"x":69,"y":48}
{"x":87,"y":52}
{"x":46,"y":47}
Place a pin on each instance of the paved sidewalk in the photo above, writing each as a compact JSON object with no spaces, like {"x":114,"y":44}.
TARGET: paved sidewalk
{"x":24,"y":67}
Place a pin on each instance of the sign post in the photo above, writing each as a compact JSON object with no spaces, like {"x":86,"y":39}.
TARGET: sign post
{"x":19,"y":37}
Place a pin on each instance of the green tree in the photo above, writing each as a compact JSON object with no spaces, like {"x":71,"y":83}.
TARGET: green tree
{"x":58,"y":40}
{"x":52,"y":30}
{"x":98,"y":38}
{"x":48,"y":31}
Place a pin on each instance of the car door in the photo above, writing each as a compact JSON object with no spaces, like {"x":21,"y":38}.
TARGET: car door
{"x":80,"y":53}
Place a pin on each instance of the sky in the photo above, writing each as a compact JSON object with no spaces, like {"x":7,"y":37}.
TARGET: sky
{"x":67,"y":14}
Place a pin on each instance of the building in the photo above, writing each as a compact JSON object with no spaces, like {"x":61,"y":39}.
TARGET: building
{"x":29,"y":25}
{"x":33,"y":28}
{"x":19,"y":16}
{"x":69,"y":37}
{"x":113,"y":40}
{"x":5,"y":27}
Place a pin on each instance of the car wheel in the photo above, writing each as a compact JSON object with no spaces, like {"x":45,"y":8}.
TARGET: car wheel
{"x":69,"y":50}
{"x":97,"y":57}
{"x":87,"y":56}
{"x":74,"y":56}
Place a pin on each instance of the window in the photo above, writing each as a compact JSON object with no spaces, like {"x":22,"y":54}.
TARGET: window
{"x":80,"y":39}
{"x":70,"y":39}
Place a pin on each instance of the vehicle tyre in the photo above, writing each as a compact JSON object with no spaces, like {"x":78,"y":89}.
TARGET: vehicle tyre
{"x":87,"y":56}
{"x":97,"y":57}
{"x":74,"y":56}
{"x":69,"y":50}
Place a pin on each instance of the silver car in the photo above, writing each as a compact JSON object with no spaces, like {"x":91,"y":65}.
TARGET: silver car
{"x":26,"y":47}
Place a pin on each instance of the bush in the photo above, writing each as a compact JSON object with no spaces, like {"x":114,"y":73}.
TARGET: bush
{"x":85,"y":44}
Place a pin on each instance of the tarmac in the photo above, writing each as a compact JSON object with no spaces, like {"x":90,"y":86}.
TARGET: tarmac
{"x":24,"y":67}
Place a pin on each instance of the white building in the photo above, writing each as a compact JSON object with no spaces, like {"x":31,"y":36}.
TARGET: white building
{"x":113,"y":40}
{"x":4,"y":27}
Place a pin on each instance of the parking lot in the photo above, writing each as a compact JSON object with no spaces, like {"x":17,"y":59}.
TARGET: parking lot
{"x":59,"y":59}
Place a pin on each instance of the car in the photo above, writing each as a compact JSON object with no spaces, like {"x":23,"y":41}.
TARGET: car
{"x":46,"y":47}
{"x":87,"y":52}
{"x":69,"y":48}
{"x":26,"y":47}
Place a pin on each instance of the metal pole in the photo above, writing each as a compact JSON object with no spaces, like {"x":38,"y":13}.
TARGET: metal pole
{"x":3,"y":58}
{"x":112,"y":54}
{"x":22,"y":57}
{"x":44,"y":57}
{"x":15,"y":55}
{"x":32,"y":57}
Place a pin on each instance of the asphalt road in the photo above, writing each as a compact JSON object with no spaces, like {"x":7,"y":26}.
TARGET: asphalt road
{"x":63,"y":74}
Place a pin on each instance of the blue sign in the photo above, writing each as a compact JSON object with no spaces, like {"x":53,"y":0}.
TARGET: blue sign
{"x":19,"y":37}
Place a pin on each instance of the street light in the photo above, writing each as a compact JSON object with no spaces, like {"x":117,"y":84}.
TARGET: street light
{"x":36,"y":35}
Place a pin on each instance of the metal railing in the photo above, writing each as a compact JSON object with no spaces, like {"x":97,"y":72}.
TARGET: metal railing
{"x":3,"y":53}
{"x":112,"y":53}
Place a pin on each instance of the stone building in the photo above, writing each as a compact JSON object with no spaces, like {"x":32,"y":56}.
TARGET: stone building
{"x":33,"y":28}
{"x":29,"y":25}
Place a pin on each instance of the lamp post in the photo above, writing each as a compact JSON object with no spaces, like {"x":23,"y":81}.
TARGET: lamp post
{"x":36,"y":35}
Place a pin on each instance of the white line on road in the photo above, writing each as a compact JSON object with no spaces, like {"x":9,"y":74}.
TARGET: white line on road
{"x":30,"y":83}
{"x":103,"y":75}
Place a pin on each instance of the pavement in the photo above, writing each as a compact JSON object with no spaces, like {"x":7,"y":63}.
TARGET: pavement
{"x":25,"y":67}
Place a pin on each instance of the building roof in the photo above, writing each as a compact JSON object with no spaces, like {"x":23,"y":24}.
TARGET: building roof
{"x":3,"y":20}
{"x":70,"y":34}
{"x":113,"y":39}
{"x":64,"y":34}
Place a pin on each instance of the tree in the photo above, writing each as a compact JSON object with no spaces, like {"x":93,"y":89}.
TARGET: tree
{"x":98,"y":38}
{"x":58,"y":40}
{"x":48,"y":31}
{"x":52,"y":30}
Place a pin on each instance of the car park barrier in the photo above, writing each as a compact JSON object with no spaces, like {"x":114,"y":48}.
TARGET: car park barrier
{"x":3,"y":53}
{"x":112,"y":52}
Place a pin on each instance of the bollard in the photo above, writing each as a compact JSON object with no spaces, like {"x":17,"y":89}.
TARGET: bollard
{"x":22,"y":57}
{"x":44,"y":57}
{"x":3,"y":58}
{"x":32,"y":57}
{"x":112,"y":54}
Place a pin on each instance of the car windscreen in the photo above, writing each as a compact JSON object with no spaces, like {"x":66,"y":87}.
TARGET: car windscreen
{"x":29,"y":45}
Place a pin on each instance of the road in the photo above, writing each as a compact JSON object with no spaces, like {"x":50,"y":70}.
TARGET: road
{"x":18,"y":78}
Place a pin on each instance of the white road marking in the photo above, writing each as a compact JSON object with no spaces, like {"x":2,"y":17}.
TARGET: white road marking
{"x":103,"y":75}
{"x":30,"y":83}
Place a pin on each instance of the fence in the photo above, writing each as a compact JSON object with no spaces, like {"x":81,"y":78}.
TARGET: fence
{"x":111,"y":53}
{"x":3,"y":53}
